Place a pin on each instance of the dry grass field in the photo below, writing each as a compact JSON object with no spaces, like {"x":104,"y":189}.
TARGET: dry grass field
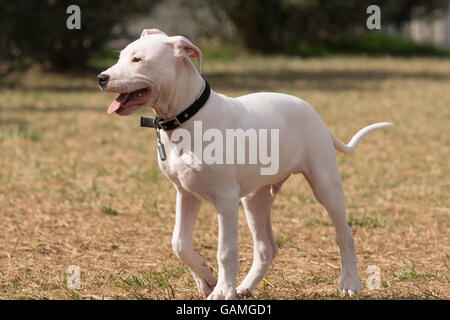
{"x":79,"y":187}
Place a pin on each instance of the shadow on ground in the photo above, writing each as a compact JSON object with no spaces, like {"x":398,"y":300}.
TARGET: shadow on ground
{"x":327,"y":80}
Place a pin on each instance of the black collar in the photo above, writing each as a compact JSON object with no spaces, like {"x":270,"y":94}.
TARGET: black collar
{"x":176,"y":121}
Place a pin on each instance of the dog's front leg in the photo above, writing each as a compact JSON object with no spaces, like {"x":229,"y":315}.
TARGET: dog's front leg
{"x":186,"y":215}
{"x":227,"y":254}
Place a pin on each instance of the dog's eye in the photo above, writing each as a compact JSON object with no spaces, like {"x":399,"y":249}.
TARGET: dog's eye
{"x":136,"y":60}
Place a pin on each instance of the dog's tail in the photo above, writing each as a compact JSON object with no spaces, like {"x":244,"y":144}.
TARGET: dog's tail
{"x":346,"y":148}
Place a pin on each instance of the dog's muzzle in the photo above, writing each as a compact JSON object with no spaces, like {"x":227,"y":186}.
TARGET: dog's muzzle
{"x":103,"y":79}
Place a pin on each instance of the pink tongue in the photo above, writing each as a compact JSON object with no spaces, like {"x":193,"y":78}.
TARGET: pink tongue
{"x":116,"y":104}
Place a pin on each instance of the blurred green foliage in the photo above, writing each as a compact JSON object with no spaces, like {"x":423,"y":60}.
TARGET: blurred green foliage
{"x":308,"y":25}
{"x":371,"y":44}
{"x":35,"y":31}
{"x":377,"y":43}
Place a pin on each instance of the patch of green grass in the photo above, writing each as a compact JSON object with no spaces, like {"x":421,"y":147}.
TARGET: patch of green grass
{"x":309,"y":221}
{"x":414,"y":274}
{"x":285,"y":241}
{"x":14,"y":288}
{"x":446,"y":278}
{"x":75,"y":295}
{"x":296,"y":287}
{"x":21,"y":131}
{"x":370,"y":219}
{"x":95,"y":188}
{"x":316,"y":278}
{"x":305,"y":198}
{"x":153,"y":175}
{"x":265,"y":292}
{"x":109,"y":211}
{"x":153,"y":280}
{"x":154,"y":210}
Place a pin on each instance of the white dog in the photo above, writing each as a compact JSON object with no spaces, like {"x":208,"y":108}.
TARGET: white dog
{"x":156,"y":71}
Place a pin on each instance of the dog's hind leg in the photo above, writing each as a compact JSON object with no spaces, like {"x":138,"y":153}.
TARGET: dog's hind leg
{"x":257,"y":211}
{"x":323,"y":177}
{"x":187,"y":209}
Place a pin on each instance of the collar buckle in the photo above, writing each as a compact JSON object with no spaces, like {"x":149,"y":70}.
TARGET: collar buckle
{"x":168,"y":124}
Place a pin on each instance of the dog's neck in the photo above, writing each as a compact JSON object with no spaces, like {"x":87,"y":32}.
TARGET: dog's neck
{"x":178,"y":95}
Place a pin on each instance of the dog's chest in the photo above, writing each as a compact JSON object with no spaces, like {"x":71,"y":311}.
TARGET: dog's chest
{"x":186,"y":173}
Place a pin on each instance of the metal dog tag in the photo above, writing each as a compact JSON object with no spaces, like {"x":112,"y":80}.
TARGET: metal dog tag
{"x":161,"y":151}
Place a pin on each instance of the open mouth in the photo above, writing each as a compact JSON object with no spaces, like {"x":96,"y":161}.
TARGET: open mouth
{"x":129,"y":101}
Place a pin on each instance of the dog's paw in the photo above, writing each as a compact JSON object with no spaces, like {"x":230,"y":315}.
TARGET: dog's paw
{"x":349,"y":285}
{"x":223,"y":292}
{"x":205,"y":287}
{"x":243,"y":290}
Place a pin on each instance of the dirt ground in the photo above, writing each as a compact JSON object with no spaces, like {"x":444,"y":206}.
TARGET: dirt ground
{"x":79,"y":187}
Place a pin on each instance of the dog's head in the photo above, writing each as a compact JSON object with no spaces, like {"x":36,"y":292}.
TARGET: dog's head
{"x":144,"y":68}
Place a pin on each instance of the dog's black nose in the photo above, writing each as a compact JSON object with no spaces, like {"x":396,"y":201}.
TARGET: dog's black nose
{"x":102,"y":79}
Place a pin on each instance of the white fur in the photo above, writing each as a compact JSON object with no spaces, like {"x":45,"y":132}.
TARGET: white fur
{"x":306,"y":146}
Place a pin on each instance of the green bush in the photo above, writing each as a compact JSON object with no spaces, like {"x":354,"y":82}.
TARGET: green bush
{"x":35,"y":31}
{"x":312,"y":27}
{"x":372,"y":44}
{"x":377,"y":43}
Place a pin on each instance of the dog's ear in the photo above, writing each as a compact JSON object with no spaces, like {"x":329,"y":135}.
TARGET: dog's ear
{"x":182,"y":47}
{"x":147,"y":32}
